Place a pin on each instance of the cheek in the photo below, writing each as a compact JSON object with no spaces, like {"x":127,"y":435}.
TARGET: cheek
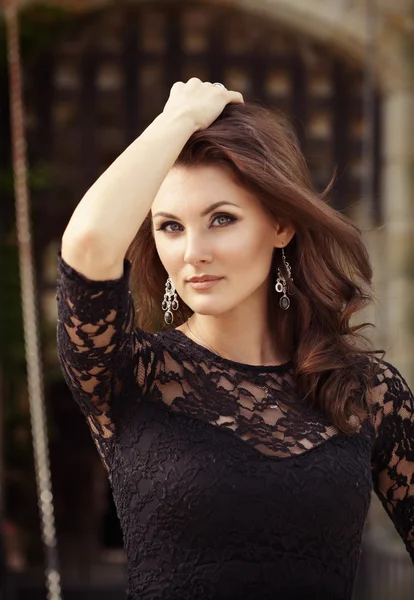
{"x":247,"y":251}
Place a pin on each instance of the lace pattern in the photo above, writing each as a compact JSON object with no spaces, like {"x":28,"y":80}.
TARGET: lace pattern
{"x":153,"y":400}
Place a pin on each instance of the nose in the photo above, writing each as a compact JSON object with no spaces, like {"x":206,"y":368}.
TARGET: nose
{"x":197,"y":250}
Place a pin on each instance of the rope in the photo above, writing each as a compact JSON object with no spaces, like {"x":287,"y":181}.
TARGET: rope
{"x":30,"y":321}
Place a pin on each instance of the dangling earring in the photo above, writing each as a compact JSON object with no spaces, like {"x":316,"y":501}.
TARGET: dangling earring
{"x":170,"y":301}
{"x":281,"y":283}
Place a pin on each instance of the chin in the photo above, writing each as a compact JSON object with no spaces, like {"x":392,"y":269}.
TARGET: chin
{"x":210,"y":308}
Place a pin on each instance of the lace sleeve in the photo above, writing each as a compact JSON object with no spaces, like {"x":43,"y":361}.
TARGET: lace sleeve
{"x":393,"y":452}
{"x":99,"y":347}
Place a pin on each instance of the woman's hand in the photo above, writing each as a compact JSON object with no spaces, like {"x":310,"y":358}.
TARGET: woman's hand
{"x":202,"y":101}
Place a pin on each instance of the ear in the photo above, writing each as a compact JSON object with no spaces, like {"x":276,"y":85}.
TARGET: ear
{"x":284,"y":233}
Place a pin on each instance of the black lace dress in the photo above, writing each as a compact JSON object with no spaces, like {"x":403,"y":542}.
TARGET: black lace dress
{"x":226,"y":485}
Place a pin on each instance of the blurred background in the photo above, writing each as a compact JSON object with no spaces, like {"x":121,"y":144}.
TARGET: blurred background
{"x":95,"y":73}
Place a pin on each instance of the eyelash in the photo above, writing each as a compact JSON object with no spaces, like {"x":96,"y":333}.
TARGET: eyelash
{"x":165,"y":225}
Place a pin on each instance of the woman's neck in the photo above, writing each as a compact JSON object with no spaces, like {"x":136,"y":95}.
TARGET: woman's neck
{"x":248,"y":342}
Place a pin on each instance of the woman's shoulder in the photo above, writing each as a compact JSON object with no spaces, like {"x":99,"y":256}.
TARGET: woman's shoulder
{"x":389,"y":392}
{"x":386,"y":374}
{"x":178,"y":345}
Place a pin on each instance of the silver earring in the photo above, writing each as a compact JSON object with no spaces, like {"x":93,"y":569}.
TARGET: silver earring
{"x":281,"y":283}
{"x":170,"y":301}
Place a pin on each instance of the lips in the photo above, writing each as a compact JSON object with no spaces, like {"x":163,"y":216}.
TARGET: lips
{"x":204,"y":283}
{"x":204,"y":278}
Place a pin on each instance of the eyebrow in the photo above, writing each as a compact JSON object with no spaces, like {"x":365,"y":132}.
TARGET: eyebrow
{"x":205,"y":212}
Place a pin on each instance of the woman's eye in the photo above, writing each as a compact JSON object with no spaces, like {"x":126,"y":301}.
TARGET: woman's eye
{"x":227,"y":219}
{"x":168,"y":224}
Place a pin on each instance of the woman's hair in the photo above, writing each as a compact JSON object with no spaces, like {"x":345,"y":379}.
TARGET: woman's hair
{"x":331,"y":271}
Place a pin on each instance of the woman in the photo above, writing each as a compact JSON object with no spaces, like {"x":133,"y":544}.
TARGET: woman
{"x":243,"y":441}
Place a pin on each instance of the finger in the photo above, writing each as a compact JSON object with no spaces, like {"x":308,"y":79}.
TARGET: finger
{"x":194,"y":80}
{"x":220,"y":86}
{"x":235,"y":97}
{"x":176,"y":85}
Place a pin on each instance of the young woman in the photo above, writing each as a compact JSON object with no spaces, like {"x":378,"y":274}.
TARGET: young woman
{"x":243,"y":439}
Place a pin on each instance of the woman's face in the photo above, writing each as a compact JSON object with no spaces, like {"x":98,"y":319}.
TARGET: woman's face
{"x":204,"y":223}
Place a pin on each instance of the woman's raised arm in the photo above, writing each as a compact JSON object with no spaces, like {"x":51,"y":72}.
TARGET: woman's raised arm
{"x":108,"y":217}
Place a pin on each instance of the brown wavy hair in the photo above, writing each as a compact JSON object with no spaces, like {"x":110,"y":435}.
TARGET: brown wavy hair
{"x":331,"y":270}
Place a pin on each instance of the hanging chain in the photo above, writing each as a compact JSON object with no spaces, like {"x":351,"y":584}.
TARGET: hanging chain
{"x":30,"y":323}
